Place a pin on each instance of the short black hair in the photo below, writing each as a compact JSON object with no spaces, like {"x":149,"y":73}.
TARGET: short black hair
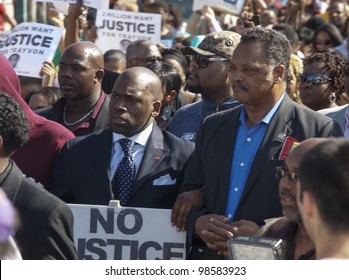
{"x":323,"y":171}
{"x":168,"y":75}
{"x":14,"y":126}
{"x":275,"y":45}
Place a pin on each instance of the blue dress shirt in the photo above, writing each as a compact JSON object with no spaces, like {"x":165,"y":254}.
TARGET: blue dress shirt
{"x":247,"y":142}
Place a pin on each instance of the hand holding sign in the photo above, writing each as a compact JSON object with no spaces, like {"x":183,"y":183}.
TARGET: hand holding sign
{"x":48,"y":74}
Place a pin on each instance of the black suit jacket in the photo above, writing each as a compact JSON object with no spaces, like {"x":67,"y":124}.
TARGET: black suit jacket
{"x":46,"y":222}
{"x":211,"y":161}
{"x":82,"y":170}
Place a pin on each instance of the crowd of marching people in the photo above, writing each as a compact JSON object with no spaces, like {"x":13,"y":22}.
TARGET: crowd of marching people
{"x":238,"y":123}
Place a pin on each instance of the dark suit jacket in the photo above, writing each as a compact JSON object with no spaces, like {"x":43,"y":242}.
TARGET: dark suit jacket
{"x":46,"y":222}
{"x":211,"y":161}
{"x":337,"y":114}
{"x":82,"y":170}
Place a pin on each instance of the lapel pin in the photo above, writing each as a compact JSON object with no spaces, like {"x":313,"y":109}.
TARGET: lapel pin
{"x":156,"y":158}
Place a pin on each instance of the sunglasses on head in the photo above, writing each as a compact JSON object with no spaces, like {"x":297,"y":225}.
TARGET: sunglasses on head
{"x":281,"y":171}
{"x":323,"y":42}
{"x":202,"y":61}
{"x":314,"y":79}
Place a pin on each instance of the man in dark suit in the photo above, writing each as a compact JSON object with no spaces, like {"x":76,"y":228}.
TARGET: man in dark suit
{"x":237,"y":150}
{"x":87,"y":170}
{"x":46,"y":223}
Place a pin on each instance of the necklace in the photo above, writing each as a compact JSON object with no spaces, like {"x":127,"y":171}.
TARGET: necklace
{"x":76,"y":122}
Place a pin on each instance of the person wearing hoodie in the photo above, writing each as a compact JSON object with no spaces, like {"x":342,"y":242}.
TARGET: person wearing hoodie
{"x":46,"y":138}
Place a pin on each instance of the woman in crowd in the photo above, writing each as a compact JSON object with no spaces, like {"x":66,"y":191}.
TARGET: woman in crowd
{"x":322,"y":81}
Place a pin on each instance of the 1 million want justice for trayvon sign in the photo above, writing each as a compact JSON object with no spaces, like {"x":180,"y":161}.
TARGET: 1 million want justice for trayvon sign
{"x":111,"y":233}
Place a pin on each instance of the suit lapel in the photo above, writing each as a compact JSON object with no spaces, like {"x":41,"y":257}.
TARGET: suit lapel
{"x":279,"y":127}
{"x":101,"y":156}
{"x":227,"y":143}
{"x":154,"y":153}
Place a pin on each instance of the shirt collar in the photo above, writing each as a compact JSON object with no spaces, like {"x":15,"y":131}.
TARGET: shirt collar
{"x":140,"y":138}
{"x":267,"y":118}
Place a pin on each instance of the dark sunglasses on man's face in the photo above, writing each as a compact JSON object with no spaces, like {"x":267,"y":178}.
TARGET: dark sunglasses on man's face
{"x":153,"y":59}
{"x":202,"y":61}
{"x":314,"y":79}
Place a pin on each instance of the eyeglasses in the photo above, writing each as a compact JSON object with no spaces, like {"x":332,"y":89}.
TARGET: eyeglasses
{"x":314,"y":79}
{"x":346,"y":69}
{"x":149,"y":59}
{"x":153,"y":59}
{"x":202,"y":61}
{"x":281,"y":171}
{"x":323,"y":42}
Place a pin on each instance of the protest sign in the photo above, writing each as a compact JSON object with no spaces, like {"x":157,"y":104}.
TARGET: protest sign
{"x":104,"y":232}
{"x":97,"y":4}
{"x":228,"y":6}
{"x":117,"y":29}
{"x":29,"y":45}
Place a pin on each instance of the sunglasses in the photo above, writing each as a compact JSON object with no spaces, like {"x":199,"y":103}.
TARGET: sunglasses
{"x":202,"y":61}
{"x":281,"y":171}
{"x":149,"y":59}
{"x":323,"y":42}
{"x":314,"y":79}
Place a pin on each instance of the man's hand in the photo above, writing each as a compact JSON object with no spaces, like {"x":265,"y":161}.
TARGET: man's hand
{"x":244,"y":227}
{"x":209,"y":228}
{"x":185,"y":202}
{"x":241,"y":227}
{"x":47,"y":73}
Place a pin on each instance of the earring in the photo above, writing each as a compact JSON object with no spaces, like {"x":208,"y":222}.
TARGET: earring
{"x":166,"y":113}
{"x":333,"y":97}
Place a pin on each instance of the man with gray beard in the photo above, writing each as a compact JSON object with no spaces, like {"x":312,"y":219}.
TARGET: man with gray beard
{"x":290,"y":228}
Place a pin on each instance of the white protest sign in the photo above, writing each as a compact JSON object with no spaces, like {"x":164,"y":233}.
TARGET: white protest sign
{"x":3,"y":36}
{"x":117,"y":29}
{"x":29,"y":45}
{"x":229,"y":6}
{"x":97,"y":4}
{"x":104,"y":232}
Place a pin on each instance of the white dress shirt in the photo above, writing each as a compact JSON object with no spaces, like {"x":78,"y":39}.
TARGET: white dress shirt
{"x":140,"y":139}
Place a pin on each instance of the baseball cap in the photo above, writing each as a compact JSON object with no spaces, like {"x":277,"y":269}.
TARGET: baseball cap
{"x":222,"y":43}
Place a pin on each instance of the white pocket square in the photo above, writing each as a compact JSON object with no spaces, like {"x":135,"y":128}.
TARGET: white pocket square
{"x":164,"y":180}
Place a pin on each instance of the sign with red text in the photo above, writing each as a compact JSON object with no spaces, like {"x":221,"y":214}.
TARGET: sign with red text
{"x":117,"y":29}
{"x":97,"y":4}
{"x":110,"y":233}
{"x":29,"y":45}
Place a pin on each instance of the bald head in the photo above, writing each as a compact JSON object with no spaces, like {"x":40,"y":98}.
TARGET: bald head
{"x":142,"y":52}
{"x":305,"y":146}
{"x":146,"y":79}
{"x":86,"y":50}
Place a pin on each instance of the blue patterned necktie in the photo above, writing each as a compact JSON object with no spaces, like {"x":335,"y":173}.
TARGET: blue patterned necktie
{"x":122,"y":182}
